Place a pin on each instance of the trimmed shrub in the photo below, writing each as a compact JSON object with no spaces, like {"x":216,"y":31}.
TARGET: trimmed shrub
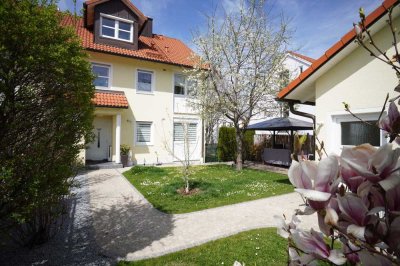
{"x":248,"y":143}
{"x":226,"y":148}
{"x":227,"y":144}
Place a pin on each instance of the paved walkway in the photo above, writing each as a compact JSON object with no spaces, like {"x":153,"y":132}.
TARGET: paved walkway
{"x":128,"y":227}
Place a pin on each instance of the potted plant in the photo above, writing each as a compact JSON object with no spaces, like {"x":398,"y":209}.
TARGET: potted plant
{"x":124,"y":154}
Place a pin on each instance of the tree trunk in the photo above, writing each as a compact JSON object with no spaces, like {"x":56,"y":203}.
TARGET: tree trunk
{"x":239,"y":150}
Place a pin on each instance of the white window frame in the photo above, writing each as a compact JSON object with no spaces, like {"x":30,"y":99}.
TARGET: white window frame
{"x":109,"y":66}
{"x":335,"y":134}
{"x":116,"y":27}
{"x":194,"y":121}
{"x":153,"y":80}
{"x":137,"y":143}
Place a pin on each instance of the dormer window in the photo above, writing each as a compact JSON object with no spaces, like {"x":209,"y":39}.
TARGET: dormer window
{"x":116,"y":28}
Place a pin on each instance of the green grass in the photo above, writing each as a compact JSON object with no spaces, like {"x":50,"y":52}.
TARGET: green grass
{"x":219,"y":185}
{"x":255,"y":247}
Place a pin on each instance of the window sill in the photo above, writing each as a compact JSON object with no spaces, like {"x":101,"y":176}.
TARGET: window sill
{"x":145,"y":92}
{"x":102,"y":88}
{"x":113,"y":38}
{"x":143,"y":144}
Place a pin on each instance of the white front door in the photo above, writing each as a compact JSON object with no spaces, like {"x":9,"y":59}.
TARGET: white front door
{"x":99,"y":149}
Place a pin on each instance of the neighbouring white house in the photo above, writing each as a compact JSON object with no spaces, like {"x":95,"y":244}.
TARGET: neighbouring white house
{"x":347,"y":73}
{"x":141,"y":89}
{"x":296,"y":64}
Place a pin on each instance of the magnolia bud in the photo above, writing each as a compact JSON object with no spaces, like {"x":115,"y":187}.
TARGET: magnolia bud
{"x":361,"y":13}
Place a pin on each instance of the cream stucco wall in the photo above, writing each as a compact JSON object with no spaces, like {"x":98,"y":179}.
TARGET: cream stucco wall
{"x":359,"y":80}
{"x":156,"y":107}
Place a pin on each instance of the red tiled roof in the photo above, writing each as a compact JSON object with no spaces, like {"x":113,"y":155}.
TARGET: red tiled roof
{"x":337,"y":47}
{"x":309,"y":59}
{"x":111,"y":99}
{"x":158,"y":48}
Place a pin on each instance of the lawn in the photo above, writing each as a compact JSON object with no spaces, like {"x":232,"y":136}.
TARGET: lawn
{"x":255,"y":247}
{"x":218,"y":184}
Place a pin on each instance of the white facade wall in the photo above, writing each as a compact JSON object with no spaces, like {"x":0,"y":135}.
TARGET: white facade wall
{"x":160,"y":107}
{"x":359,"y":80}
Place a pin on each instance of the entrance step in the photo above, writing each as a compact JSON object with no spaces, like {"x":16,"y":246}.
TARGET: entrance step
{"x":103,"y":165}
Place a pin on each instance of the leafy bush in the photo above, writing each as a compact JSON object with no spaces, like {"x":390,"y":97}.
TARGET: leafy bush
{"x":125,"y":149}
{"x":226,"y":149}
{"x":258,"y":149}
{"x":45,"y":113}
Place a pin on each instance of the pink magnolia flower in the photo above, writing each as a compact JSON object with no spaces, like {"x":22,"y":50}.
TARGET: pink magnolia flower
{"x":350,"y":251}
{"x":314,"y":247}
{"x":391,"y":122}
{"x":283,"y":228}
{"x":315,"y":182}
{"x":354,"y":211}
{"x":376,"y":165}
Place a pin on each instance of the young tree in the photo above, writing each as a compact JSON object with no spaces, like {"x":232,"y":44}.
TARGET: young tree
{"x":241,"y":52}
{"x":189,"y":146}
{"x":45,"y":113}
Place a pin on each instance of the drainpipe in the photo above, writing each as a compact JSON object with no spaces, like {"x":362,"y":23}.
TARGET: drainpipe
{"x":292,"y":110}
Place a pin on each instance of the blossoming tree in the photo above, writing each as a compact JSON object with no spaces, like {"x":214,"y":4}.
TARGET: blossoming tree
{"x":356,"y":195}
{"x":243,"y":52}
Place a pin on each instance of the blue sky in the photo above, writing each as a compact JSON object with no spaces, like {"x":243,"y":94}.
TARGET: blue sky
{"x":316,"y":24}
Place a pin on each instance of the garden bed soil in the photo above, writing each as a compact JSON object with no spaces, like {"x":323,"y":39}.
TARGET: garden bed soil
{"x":194,"y":191}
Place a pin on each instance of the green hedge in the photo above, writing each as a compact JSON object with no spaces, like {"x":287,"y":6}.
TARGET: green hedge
{"x":227,"y":144}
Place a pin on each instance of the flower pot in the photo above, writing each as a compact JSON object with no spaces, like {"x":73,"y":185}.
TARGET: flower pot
{"x":124,"y":160}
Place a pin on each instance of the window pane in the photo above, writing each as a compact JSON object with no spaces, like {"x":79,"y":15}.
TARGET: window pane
{"x":178,"y":132}
{"x":144,"y":132}
{"x":101,"y":81}
{"x":179,"y":86}
{"x":144,"y":81}
{"x":357,"y":132}
{"x":102,"y":75}
{"x":108,"y":32}
{"x":179,"y":90}
{"x":108,"y":22}
{"x":124,"y":26}
{"x":124,"y":35}
{"x":192,"y":132}
{"x":100,"y":70}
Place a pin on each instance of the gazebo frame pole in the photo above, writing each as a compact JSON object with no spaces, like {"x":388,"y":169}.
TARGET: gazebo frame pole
{"x":291,"y":141}
{"x":273,"y":140}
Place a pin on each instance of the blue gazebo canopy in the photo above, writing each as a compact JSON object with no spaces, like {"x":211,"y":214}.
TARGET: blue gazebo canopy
{"x":282,"y":123}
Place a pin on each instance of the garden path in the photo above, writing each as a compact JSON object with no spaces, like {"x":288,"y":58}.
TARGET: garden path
{"x":128,"y":227}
